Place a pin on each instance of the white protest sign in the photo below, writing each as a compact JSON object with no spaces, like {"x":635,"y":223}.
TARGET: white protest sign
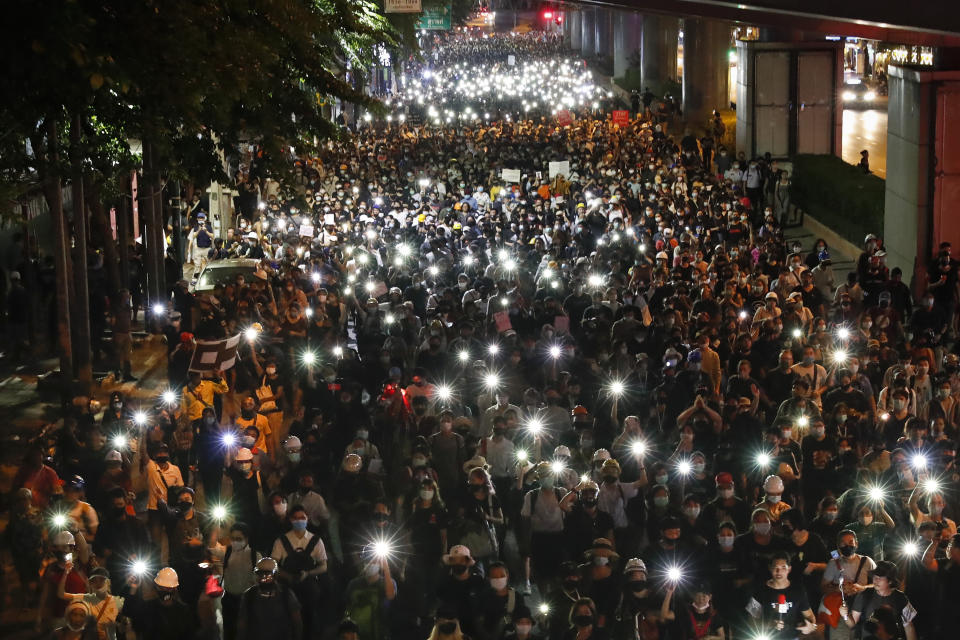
{"x":559,"y":168}
{"x":510,"y":175}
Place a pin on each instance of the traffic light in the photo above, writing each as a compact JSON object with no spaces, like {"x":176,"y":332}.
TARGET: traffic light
{"x":548,"y":15}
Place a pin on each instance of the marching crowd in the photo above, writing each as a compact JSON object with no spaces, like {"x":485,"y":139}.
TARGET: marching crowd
{"x":605,"y":399}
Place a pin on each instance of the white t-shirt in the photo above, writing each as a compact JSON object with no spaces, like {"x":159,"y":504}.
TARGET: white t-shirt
{"x":848,"y":567}
{"x":546,"y":515}
{"x":613,"y":499}
{"x":279,"y":552}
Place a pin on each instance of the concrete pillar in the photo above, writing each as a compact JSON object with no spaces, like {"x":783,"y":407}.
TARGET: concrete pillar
{"x":658,"y":56}
{"x":706,"y":46}
{"x":588,"y":35}
{"x":573,"y":24}
{"x":628,"y":33}
{"x":602,"y":41}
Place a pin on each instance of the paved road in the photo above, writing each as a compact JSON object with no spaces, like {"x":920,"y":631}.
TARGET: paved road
{"x":866,"y":129}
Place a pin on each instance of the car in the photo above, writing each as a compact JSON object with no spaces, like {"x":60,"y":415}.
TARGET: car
{"x":223,"y":272}
{"x":860,"y":95}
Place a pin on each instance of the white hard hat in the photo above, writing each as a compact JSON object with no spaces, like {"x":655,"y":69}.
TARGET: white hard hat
{"x":601,"y":454}
{"x":167,"y":579}
{"x":773,"y":484}
{"x":64,"y":538}
{"x":244,"y":454}
{"x":634,"y":564}
{"x":293,"y":442}
{"x":562,"y":450}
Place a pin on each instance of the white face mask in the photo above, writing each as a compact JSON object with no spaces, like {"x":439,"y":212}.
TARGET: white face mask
{"x":726,"y":541}
{"x":280,"y":509}
{"x":426,"y":494}
{"x":763,"y":528}
{"x":601,"y":561}
{"x":726,"y":494}
{"x":238,"y":545}
{"x":773,"y":499}
{"x":524,"y":629}
{"x":498,"y":583}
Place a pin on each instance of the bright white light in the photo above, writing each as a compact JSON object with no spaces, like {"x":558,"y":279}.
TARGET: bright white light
{"x":219,"y":512}
{"x":169,"y":396}
{"x":931,"y":485}
{"x":797,"y":333}
{"x":424,"y":183}
{"x":557,"y":466}
{"x":870,"y":96}
{"x":381,"y":549}
{"x":315,"y":276}
{"x":743,"y":315}
{"x":493,"y":349}
{"x":595,"y":280}
{"x":555,"y":352}
{"x":522,"y":455}
{"x":843,"y":333}
{"x":59,"y":521}
{"x":849,"y":96}
{"x":763,"y":459}
{"x":468,"y":260}
{"x":638,"y":448}
{"x":839,"y":356}
{"x":910,"y":549}
{"x":159,"y":309}
{"x":250,"y":334}
{"x":140,"y":418}
{"x":617,"y":388}
{"x":229,"y":440}
{"x":139,"y":567}
{"x":389,"y":318}
{"x":876,"y":494}
{"x":369,"y":287}
{"x":544,"y":608}
{"x":433,"y":270}
{"x":338,"y":351}
{"x":674,"y":574}
{"x":309,"y":357}
{"x":503,"y":255}
{"x":444,"y":392}
{"x":684,"y":467}
{"x":491,"y":380}
{"x":919,"y":461}
{"x":120,"y":442}
{"x":504,"y":302}
{"x":535,"y":426}
{"x":404,"y":250}
{"x":803,"y":422}
{"x":463,"y":355}
{"x":308,"y":312}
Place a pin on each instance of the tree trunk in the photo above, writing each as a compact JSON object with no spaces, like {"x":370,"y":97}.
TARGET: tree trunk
{"x":62,"y":262}
{"x":151,"y":220}
{"x":100,"y":232}
{"x":81,"y":311}
{"x":124,"y":220}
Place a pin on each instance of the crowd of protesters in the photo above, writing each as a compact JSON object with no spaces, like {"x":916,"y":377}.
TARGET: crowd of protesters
{"x":608,"y":402}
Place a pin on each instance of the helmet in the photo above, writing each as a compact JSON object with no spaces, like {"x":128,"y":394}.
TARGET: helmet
{"x":63,"y":539}
{"x":588,"y":485}
{"x":256,"y":326}
{"x":869,"y":237}
{"x":823,"y":255}
{"x":266,"y":564}
{"x":610,"y":466}
{"x":352,"y":463}
{"x":76,"y":482}
{"x":634,"y":564}
{"x":579,"y":410}
{"x":773,"y":484}
{"x":562,"y":450}
{"x":244,"y":455}
{"x":694,"y":356}
{"x":167,"y":579}
{"x":293,"y":442}
{"x":601,"y":454}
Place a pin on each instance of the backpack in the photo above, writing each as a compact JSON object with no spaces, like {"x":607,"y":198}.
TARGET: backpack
{"x":297,"y":561}
{"x":229,"y":551}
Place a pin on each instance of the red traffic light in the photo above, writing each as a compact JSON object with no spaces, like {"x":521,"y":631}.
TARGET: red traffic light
{"x":547,"y":15}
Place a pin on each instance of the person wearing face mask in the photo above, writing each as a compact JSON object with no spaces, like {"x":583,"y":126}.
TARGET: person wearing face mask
{"x":781,"y":606}
{"x":497,"y":604}
{"x":251,"y":417}
{"x":57,"y":574}
{"x":78,"y":623}
{"x":696,"y":619}
{"x":772,"y":502}
{"x":637,"y":613}
{"x":584,"y":520}
{"x":239,"y":561}
{"x":756,"y":547}
{"x":872,"y":526}
{"x":248,"y":485}
{"x":448,"y":451}
{"x":302,"y":560}
{"x":614,"y":496}
{"x":199,"y":393}
{"x":123,"y":535}
{"x":103,"y":606}
{"x":523,"y":625}
{"x":815,"y":376}
{"x":584,"y":622}
{"x":849,"y":572}
{"x":368,"y":598}
{"x":312,"y":501}
{"x":934,"y":503}
{"x":808,"y":552}
{"x":155,"y":608}
{"x":271,"y":394}
{"x":459,"y":590}
{"x":269,"y":610}
{"x":161,"y":475}
{"x":726,"y":505}
{"x":827,"y":523}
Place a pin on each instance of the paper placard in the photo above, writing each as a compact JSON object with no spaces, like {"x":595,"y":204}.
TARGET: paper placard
{"x":511,"y":60}
{"x":329,"y":218}
{"x":502,"y":318}
{"x":621,"y":117}
{"x":559,"y":169}
{"x":561,"y":324}
{"x":510,"y":175}
{"x":564,"y":118}
{"x":306,"y":230}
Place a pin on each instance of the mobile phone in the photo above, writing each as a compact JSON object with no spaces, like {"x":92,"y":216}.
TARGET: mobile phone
{"x":68,"y":557}
{"x":834,"y":554}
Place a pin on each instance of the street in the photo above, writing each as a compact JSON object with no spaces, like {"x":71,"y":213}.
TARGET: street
{"x":866,"y":129}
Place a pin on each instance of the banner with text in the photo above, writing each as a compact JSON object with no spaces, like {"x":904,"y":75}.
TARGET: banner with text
{"x":401,"y":6}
